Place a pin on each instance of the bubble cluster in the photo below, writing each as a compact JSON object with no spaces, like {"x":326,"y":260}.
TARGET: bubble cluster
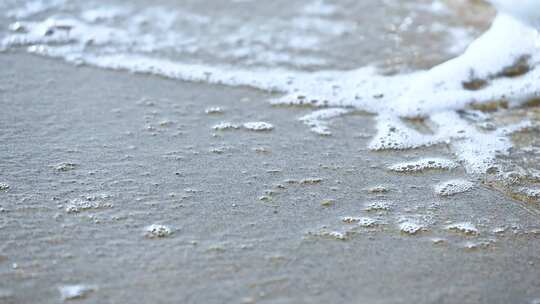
{"x":464,"y":227}
{"x":65,"y":166}
{"x":74,"y":292}
{"x":311,"y":181}
{"x":410,"y":228}
{"x":214,"y":110}
{"x":318,"y":120}
{"x":4,"y":187}
{"x":93,"y":202}
{"x":365,"y":222}
{"x":157,"y":231}
{"x":453,"y":187}
{"x":423,"y":164}
{"x":331,"y":234}
{"x":378,"y":189}
{"x":378,"y":206}
{"x":258,"y":126}
{"x":225,"y":126}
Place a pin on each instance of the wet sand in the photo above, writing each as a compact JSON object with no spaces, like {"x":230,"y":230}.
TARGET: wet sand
{"x":246,"y":208}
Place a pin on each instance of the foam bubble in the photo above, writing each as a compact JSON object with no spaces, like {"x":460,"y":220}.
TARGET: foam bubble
{"x":453,"y":187}
{"x":471,"y":245}
{"x":378,"y":189}
{"x":378,"y":206}
{"x":331,"y":234}
{"x":225,"y":126}
{"x":78,"y":205}
{"x":318,"y":120}
{"x":214,"y":110}
{"x":465,"y":228}
{"x":335,"y":234}
{"x":311,"y":181}
{"x":424,"y":164}
{"x":73,"y":292}
{"x":157,"y":231}
{"x":65,"y":166}
{"x":410,"y":228}
{"x":258,"y":126}
{"x":366,"y":222}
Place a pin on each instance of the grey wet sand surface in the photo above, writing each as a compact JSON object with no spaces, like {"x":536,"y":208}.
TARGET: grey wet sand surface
{"x":144,"y":152}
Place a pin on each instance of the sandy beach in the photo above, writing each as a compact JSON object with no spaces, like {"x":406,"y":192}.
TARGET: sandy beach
{"x":91,"y":158}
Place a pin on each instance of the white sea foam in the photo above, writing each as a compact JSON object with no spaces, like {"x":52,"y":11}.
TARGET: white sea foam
{"x":318,"y":121}
{"x":465,"y":228}
{"x":258,"y":126}
{"x":480,"y":75}
{"x":73,"y":292}
{"x":453,"y":187}
{"x":423,"y":164}
{"x":157,"y":231}
{"x":409,"y":227}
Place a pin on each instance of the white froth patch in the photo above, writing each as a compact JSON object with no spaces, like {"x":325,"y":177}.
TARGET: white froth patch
{"x":378,"y":206}
{"x":424,"y":164}
{"x":393,"y":134}
{"x":365,"y":222}
{"x":453,"y":187}
{"x":499,"y":48}
{"x":74,"y":292}
{"x":469,"y":245}
{"x":338,"y":235}
{"x":214,"y":110}
{"x":64,"y":166}
{"x":465,"y":228}
{"x":476,"y":149}
{"x":259,"y":126}
{"x":459,"y":41}
{"x":410,"y":227}
{"x":330,"y":234}
{"x":225,"y":126}
{"x":65,"y":32}
{"x":378,"y":189}
{"x":79,"y":205}
{"x":158,"y":231}
{"x":318,"y":121}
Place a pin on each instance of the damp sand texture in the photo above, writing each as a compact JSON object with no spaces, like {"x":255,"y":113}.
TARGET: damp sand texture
{"x":131,"y":188}
{"x":150,"y":213}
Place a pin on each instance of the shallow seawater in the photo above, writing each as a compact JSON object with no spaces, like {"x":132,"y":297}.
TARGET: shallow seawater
{"x":303,"y":35}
